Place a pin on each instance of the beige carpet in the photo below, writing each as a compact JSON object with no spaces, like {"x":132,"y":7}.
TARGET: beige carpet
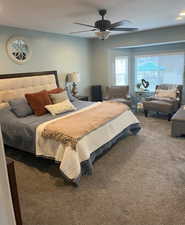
{"x":141,"y":181}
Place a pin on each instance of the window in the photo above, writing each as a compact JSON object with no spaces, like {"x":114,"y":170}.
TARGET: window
{"x":160,"y":69}
{"x":121,"y":70}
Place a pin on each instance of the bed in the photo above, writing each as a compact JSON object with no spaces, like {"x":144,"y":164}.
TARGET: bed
{"x":25,"y":133}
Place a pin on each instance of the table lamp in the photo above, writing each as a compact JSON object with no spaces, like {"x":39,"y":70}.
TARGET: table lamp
{"x":74,"y":78}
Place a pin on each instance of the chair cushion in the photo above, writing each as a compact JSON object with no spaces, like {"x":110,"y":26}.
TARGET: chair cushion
{"x":171,"y":93}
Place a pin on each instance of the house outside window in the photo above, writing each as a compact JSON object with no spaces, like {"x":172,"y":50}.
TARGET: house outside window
{"x":159,"y":69}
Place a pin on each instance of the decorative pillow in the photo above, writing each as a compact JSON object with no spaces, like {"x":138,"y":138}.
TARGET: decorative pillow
{"x":70,"y":96}
{"x":60,"y":97}
{"x":61,"y":107}
{"x":170,"y":93}
{"x":20,"y":107}
{"x":37,"y":101}
{"x":55,"y":91}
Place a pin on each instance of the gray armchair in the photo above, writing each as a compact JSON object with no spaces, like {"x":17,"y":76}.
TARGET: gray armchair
{"x":164,"y":105}
{"x":119,"y":94}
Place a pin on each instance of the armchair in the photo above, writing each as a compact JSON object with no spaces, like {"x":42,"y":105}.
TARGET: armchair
{"x":119,"y":94}
{"x":166,"y":104}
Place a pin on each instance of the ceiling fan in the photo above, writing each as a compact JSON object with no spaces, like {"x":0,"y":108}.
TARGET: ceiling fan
{"x":104,"y":27}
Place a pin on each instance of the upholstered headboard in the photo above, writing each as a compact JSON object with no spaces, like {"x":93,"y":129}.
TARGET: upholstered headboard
{"x":16,"y":85}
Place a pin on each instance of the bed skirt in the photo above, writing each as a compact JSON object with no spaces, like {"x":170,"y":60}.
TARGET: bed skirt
{"x":87,"y":165}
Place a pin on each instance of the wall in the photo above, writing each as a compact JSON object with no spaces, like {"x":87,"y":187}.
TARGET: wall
{"x":6,"y":208}
{"x":49,"y":52}
{"x":92,"y":58}
{"x":102,"y":50}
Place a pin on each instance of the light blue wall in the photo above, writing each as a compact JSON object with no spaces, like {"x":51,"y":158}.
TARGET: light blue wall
{"x":92,"y":58}
{"x":49,"y":52}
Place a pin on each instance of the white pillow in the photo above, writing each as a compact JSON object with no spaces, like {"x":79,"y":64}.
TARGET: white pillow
{"x":61,"y":107}
{"x":170,"y":93}
{"x":59,"y":97}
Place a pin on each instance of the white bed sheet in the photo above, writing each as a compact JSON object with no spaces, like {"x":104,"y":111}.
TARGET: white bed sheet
{"x":69,"y":158}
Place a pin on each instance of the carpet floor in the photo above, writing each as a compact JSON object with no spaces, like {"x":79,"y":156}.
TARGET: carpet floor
{"x":141,"y":181}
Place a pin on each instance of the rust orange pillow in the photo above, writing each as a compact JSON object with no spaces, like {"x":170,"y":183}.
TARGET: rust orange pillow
{"x":38,"y":101}
{"x":55,"y":91}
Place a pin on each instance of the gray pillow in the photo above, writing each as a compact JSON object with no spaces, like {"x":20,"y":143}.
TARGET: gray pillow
{"x":20,"y":107}
{"x":70,"y":96}
{"x":59,"y":97}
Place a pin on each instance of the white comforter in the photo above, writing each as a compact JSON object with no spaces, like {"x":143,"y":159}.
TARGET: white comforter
{"x":69,"y":158}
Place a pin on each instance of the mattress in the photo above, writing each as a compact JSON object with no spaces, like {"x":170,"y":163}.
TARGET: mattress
{"x":20,"y":133}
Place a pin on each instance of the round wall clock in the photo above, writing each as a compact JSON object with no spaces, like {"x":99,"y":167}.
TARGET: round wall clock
{"x":18,"y":49}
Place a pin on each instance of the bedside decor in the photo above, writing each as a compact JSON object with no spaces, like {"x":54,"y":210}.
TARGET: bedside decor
{"x":18,"y":49}
{"x":138,"y":86}
{"x":73,"y":78}
{"x":145,"y":83}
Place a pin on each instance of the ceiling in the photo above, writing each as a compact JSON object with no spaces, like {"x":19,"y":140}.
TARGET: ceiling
{"x":58,"y":16}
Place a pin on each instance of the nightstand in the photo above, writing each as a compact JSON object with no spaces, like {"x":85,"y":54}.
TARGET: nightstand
{"x":83,"y":98}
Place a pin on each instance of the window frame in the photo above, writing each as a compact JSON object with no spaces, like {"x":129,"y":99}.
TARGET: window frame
{"x":113,"y":80}
{"x":156,"y":54}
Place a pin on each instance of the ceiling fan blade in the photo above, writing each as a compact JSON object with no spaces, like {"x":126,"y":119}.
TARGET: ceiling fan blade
{"x":123,"y":29}
{"x":76,"y":32}
{"x":120,"y":23}
{"x":85,"y":25}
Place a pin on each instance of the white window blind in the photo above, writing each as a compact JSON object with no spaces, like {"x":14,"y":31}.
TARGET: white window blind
{"x":160,"y":69}
{"x":121,"y":70}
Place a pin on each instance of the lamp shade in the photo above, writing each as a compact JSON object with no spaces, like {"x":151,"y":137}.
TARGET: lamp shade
{"x":73,"y":77}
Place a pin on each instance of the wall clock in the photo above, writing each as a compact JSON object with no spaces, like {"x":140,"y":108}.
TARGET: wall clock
{"x":18,"y":49}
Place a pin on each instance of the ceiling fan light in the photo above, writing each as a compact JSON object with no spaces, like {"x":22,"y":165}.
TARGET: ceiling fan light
{"x":102,"y":35}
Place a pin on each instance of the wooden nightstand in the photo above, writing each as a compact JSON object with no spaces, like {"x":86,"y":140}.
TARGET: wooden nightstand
{"x":83,"y":98}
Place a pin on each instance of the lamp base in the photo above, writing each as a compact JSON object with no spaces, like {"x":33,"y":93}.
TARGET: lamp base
{"x":74,"y":89}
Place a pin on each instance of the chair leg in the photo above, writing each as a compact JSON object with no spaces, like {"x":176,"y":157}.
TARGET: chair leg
{"x":169,"y":116}
{"x":146,"y":113}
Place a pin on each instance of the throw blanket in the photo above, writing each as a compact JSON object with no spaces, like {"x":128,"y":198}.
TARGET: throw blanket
{"x":71,"y":129}
{"x":69,"y":159}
